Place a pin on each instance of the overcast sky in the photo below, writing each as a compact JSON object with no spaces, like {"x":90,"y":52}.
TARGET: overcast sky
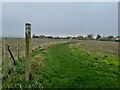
{"x":60,"y":19}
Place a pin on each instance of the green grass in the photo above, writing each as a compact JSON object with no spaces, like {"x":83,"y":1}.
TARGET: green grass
{"x":72,"y":67}
{"x":68,"y":65}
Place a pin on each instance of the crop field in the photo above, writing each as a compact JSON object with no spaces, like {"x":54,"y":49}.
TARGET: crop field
{"x":13,"y":43}
{"x":67,"y":64}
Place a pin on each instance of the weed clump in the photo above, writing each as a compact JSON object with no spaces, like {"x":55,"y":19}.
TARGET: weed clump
{"x":105,"y":56}
{"x":96,"y":58}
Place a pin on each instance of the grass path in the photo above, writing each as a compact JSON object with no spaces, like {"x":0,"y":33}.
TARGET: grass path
{"x":67,"y":65}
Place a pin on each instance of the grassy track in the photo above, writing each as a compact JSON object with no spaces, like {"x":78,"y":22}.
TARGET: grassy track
{"x":68,"y":65}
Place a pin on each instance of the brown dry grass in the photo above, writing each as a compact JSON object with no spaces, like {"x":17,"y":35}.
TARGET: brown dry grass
{"x":0,"y":49}
{"x":13,"y":43}
{"x":37,"y":62}
{"x":35,"y":43}
{"x":101,"y":47}
{"x":97,"y":46}
{"x":94,"y":46}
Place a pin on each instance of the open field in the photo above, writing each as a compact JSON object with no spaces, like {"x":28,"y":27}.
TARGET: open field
{"x":13,"y":43}
{"x":0,"y":49}
{"x":101,"y":47}
{"x":0,"y":63}
{"x":17,"y":46}
{"x":75,"y":64}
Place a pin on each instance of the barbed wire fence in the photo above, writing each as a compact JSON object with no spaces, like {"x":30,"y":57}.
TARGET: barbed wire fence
{"x":14,"y":48}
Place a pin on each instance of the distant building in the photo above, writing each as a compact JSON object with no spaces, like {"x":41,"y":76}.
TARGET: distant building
{"x":117,"y":39}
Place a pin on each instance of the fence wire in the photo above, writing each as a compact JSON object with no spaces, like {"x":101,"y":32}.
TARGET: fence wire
{"x":17,"y":47}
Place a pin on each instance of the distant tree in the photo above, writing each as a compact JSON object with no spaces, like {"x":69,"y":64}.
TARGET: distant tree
{"x":110,"y":38}
{"x":68,"y":37}
{"x":80,"y":37}
{"x":74,"y":37}
{"x":42,"y":36}
{"x":98,"y":37}
{"x":56,"y":37}
{"x":49,"y":37}
{"x":118,"y":37}
{"x":89,"y":36}
{"x":33,"y":36}
{"x":103,"y":38}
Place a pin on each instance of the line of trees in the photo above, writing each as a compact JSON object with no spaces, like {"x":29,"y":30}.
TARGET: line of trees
{"x":108,"y":38}
{"x":88,"y":37}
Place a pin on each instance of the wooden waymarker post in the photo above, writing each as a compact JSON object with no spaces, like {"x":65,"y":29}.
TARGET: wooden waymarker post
{"x":28,"y":51}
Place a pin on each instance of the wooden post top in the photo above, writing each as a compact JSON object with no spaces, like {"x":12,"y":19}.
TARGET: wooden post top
{"x":28,"y":24}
